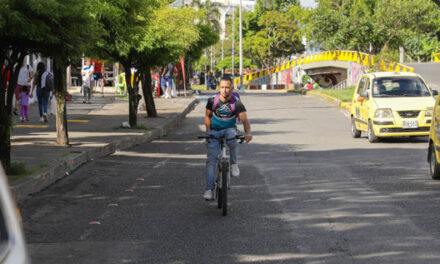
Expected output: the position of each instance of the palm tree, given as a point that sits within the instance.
(211, 10)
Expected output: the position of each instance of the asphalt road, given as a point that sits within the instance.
(308, 193)
(429, 71)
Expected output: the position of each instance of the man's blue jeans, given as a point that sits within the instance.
(214, 149)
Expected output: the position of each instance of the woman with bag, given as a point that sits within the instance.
(42, 94)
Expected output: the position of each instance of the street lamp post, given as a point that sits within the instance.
(241, 47)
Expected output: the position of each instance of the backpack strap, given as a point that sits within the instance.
(216, 100)
(234, 98)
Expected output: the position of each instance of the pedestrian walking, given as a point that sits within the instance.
(98, 74)
(208, 77)
(24, 79)
(87, 79)
(167, 75)
(42, 95)
(24, 103)
(212, 81)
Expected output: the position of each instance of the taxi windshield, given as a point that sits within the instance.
(399, 87)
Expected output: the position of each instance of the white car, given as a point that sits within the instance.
(12, 244)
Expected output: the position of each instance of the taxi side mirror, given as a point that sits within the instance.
(360, 99)
(434, 92)
(363, 95)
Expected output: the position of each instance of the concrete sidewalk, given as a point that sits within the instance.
(94, 131)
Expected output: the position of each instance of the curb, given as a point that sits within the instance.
(24, 188)
(343, 105)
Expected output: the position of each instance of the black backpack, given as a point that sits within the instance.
(49, 82)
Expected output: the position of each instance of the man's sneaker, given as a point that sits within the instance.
(207, 195)
(41, 119)
(45, 117)
(235, 171)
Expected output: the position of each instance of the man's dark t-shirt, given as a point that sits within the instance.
(223, 117)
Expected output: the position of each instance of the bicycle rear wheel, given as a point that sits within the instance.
(224, 191)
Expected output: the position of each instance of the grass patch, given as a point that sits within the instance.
(138, 127)
(345, 95)
(122, 98)
(198, 87)
(16, 170)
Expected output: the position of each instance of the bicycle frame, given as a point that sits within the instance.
(223, 177)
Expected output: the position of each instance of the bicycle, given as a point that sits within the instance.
(223, 177)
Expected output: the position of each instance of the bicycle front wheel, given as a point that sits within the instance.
(218, 189)
(224, 194)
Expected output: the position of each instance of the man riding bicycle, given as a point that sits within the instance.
(221, 115)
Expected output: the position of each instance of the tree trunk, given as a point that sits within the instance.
(132, 96)
(59, 79)
(148, 93)
(188, 72)
(5, 137)
(15, 58)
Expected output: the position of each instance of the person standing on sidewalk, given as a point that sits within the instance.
(42, 95)
(24, 103)
(98, 74)
(87, 79)
(24, 79)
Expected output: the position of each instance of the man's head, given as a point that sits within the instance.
(225, 87)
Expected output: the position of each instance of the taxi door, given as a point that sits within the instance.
(358, 103)
(366, 103)
(436, 123)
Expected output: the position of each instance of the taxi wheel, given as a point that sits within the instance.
(371, 136)
(434, 167)
(354, 132)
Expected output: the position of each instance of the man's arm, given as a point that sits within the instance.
(208, 118)
(246, 126)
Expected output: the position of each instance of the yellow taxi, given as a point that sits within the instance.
(391, 104)
(434, 143)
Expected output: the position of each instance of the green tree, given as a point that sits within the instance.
(126, 24)
(170, 40)
(379, 24)
(72, 30)
(278, 37)
(227, 64)
(211, 12)
(38, 27)
(279, 5)
(396, 20)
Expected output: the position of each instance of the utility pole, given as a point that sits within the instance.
(241, 47)
(233, 41)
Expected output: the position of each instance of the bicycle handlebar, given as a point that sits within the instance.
(240, 137)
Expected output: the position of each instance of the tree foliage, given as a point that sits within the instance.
(58, 29)
(227, 64)
(379, 24)
(170, 40)
(271, 34)
(126, 24)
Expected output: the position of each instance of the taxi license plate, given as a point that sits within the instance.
(410, 124)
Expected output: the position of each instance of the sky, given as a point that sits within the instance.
(308, 3)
